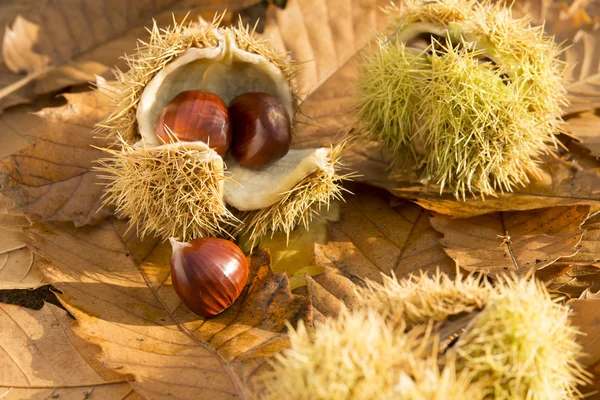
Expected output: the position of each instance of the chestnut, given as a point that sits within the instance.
(208, 274)
(262, 130)
(196, 116)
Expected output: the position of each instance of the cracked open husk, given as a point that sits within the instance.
(186, 190)
(462, 95)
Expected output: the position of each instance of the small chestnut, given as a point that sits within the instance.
(262, 130)
(208, 274)
(196, 116)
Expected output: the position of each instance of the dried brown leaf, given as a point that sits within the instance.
(379, 234)
(119, 290)
(564, 183)
(51, 180)
(72, 41)
(41, 358)
(19, 268)
(584, 126)
(586, 317)
(574, 276)
(323, 35)
(505, 241)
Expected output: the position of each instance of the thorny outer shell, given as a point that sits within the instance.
(177, 212)
(473, 117)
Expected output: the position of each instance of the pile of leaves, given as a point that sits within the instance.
(118, 330)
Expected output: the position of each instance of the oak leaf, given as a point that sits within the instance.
(119, 289)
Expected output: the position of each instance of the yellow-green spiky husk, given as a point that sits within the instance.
(167, 191)
(467, 124)
(518, 345)
(523, 345)
(299, 205)
(165, 45)
(358, 356)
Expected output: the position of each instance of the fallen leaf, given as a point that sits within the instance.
(41, 357)
(14, 124)
(323, 35)
(573, 276)
(570, 280)
(377, 233)
(583, 55)
(576, 28)
(119, 290)
(18, 45)
(584, 126)
(564, 183)
(69, 42)
(52, 180)
(586, 317)
(19, 267)
(330, 291)
(500, 242)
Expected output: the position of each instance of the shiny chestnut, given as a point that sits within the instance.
(208, 274)
(262, 130)
(196, 116)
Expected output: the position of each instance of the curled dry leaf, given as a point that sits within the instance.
(52, 180)
(378, 234)
(119, 290)
(42, 357)
(19, 268)
(509, 241)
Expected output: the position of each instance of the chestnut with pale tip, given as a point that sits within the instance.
(196, 116)
(208, 274)
(262, 130)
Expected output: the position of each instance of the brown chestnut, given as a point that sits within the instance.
(196, 116)
(208, 274)
(262, 130)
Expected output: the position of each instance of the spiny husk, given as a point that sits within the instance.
(420, 299)
(518, 345)
(165, 45)
(171, 191)
(468, 125)
(359, 356)
(299, 205)
(161, 198)
(523, 344)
